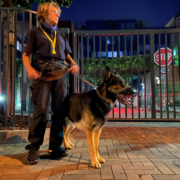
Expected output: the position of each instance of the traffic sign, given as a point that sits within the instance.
(163, 57)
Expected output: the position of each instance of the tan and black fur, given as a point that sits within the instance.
(89, 111)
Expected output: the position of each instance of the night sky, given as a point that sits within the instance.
(156, 13)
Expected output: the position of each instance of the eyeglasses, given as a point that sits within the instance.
(56, 12)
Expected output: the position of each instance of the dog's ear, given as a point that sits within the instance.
(116, 73)
(107, 73)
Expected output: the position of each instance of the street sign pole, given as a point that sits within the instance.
(163, 66)
(165, 99)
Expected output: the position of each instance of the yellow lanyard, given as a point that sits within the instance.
(53, 42)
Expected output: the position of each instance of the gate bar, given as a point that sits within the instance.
(15, 59)
(166, 76)
(125, 69)
(82, 63)
(132, 71)
(7, 53)
(144, 42)
(160, 75)
(22, 79)
(138, 75)
(119, 69)
(100, 58)
(152, 96)
(174, 108)
(88, 59)
(29, 108)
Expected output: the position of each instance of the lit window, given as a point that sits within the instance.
(108, 42)
(17, 45)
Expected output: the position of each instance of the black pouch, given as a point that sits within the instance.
(50, 70)
(48, 66)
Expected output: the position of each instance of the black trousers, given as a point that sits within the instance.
(41, 92)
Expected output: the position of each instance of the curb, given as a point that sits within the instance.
(18, 136)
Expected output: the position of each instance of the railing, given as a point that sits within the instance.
(131, 53)
(15, 96)
(93, 50)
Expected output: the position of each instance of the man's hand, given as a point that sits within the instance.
(74, 69)
(33, 74)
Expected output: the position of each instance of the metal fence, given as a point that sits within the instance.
(131, 53)
(128, 52)
(16, 108)
(14, 92)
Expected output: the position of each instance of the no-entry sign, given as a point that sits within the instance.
(163, 57)
(163, 70)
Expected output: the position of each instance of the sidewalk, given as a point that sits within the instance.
(135, 151)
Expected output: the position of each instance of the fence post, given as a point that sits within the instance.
(67, 77)
(72, 77)
(152, 96)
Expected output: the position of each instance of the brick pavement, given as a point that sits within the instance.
(133, 151)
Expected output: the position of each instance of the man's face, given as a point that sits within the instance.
(53, 15)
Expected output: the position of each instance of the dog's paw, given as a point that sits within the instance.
(101, 160)
(71, 144)
(67, 146)
(96, 164)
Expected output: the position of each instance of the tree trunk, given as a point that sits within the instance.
(10, 79)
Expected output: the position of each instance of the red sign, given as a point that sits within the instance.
(163, 57)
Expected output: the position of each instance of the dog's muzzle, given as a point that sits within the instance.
(126, 96)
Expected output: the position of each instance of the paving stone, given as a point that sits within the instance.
(83, 166)
(91, 171)
(139, 167)
(129, 152)
(147, 177)
(56, 175)
(9, 169)
(145, 160)
(31, 169)
(166, 177)
(133, 177)
(121, 154)
(117, 162)
(118, 172)
(44, 175)
(173, 167)
(164, 151)
(106, 172)
(163, 168)
(112, 154)
(139, 171)
(80, 177)
(19, 176)
(61, 167)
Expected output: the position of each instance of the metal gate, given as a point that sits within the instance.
(16, 108)
(131, 54)
(128, 52)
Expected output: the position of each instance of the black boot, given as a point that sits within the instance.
(57, 151)
(33, 155)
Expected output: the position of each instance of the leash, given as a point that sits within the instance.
(87, 82)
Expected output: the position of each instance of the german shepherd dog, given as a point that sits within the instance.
(89, 111)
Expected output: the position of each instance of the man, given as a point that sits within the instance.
(47, 45)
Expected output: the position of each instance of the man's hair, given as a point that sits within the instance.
(42, 10)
